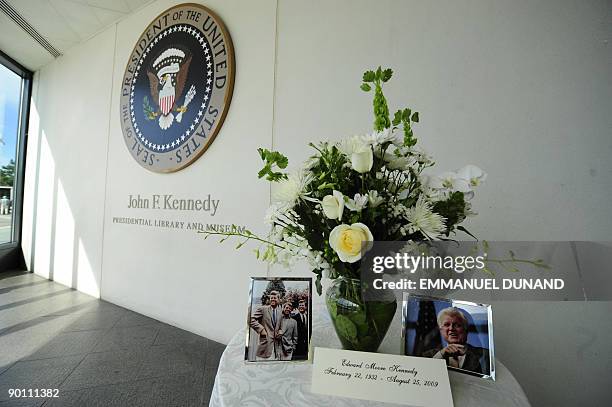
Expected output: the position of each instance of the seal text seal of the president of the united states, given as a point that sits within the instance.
(177, 88)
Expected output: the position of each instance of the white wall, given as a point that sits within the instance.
(86, 174)
(519, 88)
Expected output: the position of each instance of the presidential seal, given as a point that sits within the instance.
(177, 88)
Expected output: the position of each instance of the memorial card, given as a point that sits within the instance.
(381, 377)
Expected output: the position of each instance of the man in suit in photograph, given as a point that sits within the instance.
(301, 350)
(266, 321)
(458, 353)
(288, 333)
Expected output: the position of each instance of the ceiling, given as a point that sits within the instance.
(62, 23)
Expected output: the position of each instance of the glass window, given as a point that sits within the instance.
(11, 88)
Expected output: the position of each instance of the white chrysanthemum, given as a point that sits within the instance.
(310, 163)
(380, 137)
(421, 219)
(289, 190)
(272, 214)
(421, 156)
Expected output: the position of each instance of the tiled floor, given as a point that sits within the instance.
(94, 352)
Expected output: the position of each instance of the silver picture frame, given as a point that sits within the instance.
(418, 336)
(281, 332)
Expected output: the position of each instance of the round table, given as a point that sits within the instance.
(288, 383)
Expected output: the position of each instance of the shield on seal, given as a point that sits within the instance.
(166, 99)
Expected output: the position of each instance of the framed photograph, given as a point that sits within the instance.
(279, 324)
(459, 332)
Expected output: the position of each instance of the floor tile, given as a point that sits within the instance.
(96, 320)
(215, 350)
(65, 344)
(37, 374)
(209, 381)
(126, 337)
(169, 391)
(23, 402)
(134, 319)
(171, 335)
(168, 360)
(104, 368)
(95, 352)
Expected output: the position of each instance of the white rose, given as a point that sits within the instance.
(347, 241)
(362, 160)
(350, 145)
(333, 205)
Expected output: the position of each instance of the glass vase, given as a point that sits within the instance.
(360, 325)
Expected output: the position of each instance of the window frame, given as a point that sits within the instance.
(11, 254)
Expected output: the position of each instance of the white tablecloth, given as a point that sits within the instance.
(239, 384)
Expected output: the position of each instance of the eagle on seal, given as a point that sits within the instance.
(166, 82)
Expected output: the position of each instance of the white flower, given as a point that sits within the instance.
(358, 203)
(467, 211)
(351, 145)
(317, 261)
(421, 219)
(272, 214)
(380, 137)
(398, 163)
(421, 156)
(472, 174)
(288, 191)
(362, 160)
(449, 181)
(311, 163)
(374, 199)
(347, 241)
(333, 205)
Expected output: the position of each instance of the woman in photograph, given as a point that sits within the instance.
(288, 333)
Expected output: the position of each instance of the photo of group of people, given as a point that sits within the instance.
(458, 332)
(279, 324)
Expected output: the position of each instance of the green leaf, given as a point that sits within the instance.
(331, 306)
(359, 318)
(415, 117)
(365, 87)
(397, 119)
(271, 159)
(318, 284)
(464, 230)
(406, 114)
(345, 327)
(386, 74)
(368, 76)
(378, 73)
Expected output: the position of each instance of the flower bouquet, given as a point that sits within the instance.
(365, 188)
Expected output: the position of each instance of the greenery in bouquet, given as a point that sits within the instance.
(365, 188)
